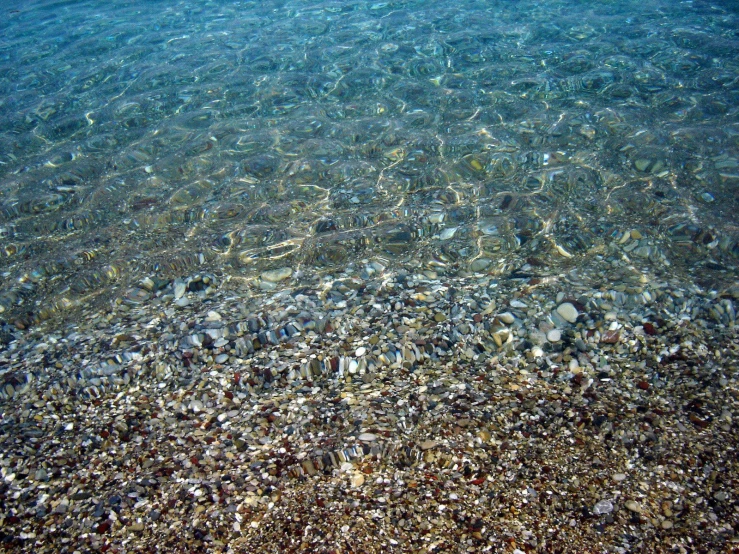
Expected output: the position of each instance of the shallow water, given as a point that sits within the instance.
(159, 139)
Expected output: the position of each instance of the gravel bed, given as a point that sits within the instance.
(376, 411)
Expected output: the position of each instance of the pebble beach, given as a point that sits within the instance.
(352, 278)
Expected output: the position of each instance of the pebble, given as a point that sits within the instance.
(634, 506)
(507, 318)
(367, 437)
(568, 312)
(213, 316)
(361, 351)
(603, 507)
(276, 275)
(179, 289)
(480, 264)
(439, 317)
(618, 477)
(555, 335)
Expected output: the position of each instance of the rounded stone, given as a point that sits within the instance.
(361, 351)
(568, 312)
(633, 506)
(276, 275)
(479, 264)
(367, 437)
(603, 507)
(507, 318)
(555, 335)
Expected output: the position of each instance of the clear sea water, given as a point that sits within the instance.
(142, 139)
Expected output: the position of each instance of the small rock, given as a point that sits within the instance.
(357, 480)
(367, 437)
(506, 317)
(276, 275)
(179, 289)
(439, 317)
(213, 316)
(603, 507)
(650, 329)
(555, 335)
(633, 506)
(618, 477)
(479, 264)
(568, 312)
(361, 351)
(428, 444)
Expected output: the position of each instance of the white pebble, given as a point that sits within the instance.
(555, 335)
(507, 317)
(361, 351)
(568, 312)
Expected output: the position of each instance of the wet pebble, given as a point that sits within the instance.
(568, 312)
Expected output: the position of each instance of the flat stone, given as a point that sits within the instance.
(618, 477)
(367, 437)
(439, 317)
(555, 335)
(428, 444)
(568, 312)
(276, 275)
(479, 264)
(213, 316)
(357, 480)
(634, 506)
(361, 351)
(179, 289)
(506, 317)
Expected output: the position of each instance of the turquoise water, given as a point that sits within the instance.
(142, 139)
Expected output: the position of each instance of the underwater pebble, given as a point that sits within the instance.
(568, 312)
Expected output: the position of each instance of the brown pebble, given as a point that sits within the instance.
(649, 329)
(643, 385)
(610, 337)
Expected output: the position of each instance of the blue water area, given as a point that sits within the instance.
(144, 139)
